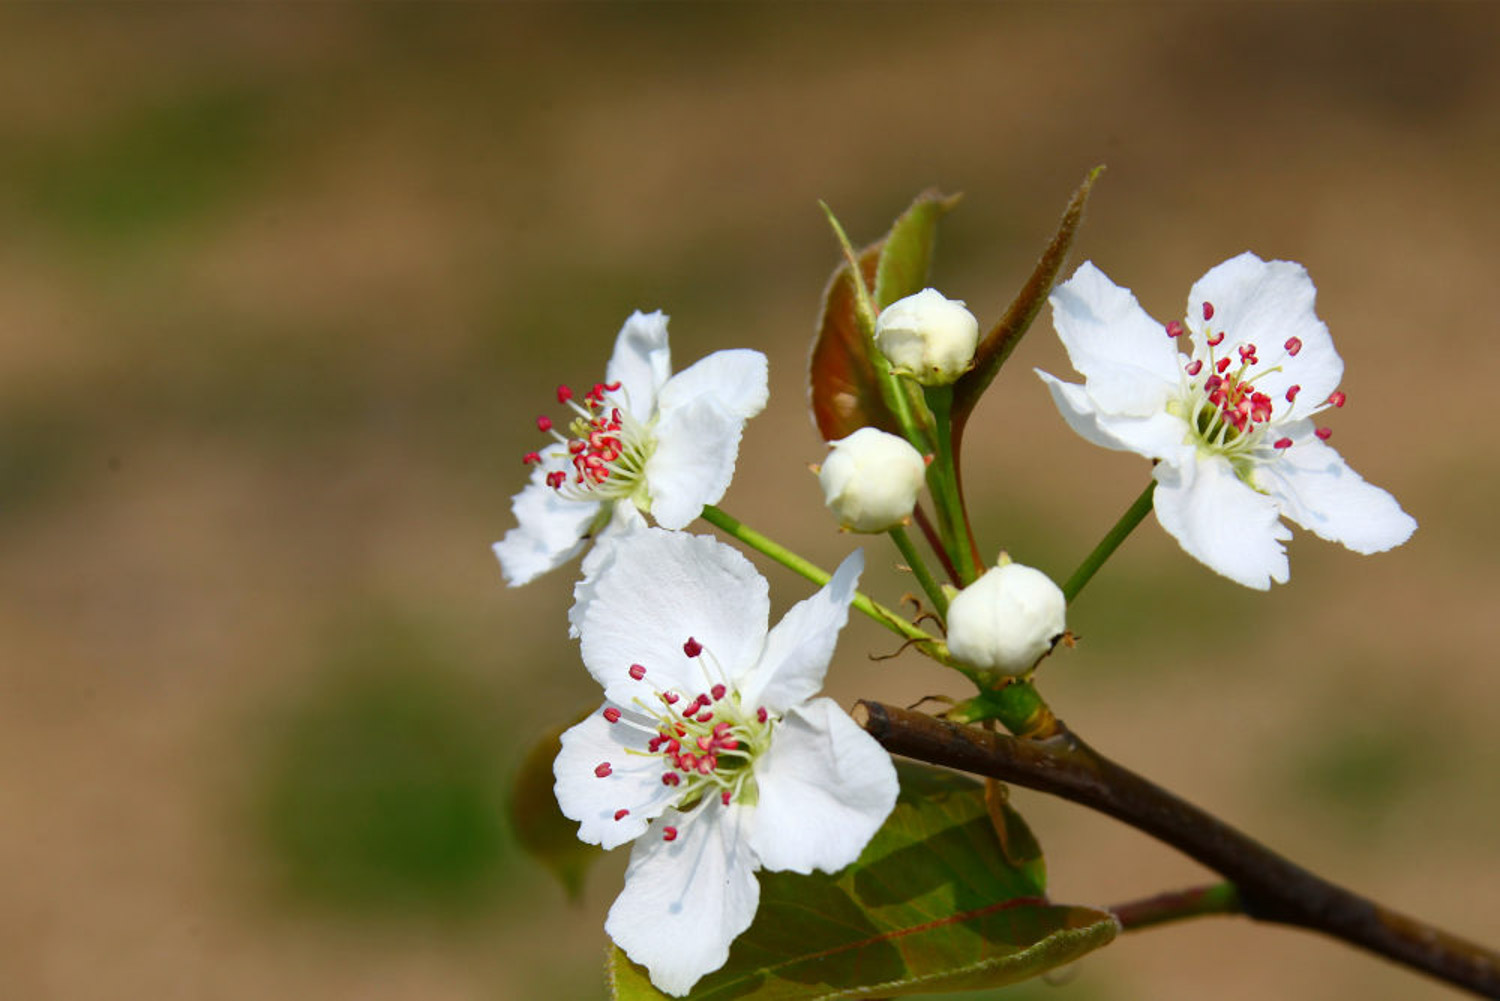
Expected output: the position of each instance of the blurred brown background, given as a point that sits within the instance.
(283, 287)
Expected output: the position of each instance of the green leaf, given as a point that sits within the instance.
(544, 833)
(845, 385)
(932, 905)
(906, 251)
(1003, 337)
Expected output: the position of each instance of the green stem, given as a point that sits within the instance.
(919, 569)
(1178, 905)
(928, 644)
(943, 485)
(1109, 543)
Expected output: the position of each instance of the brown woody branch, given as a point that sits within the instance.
(1270, 887)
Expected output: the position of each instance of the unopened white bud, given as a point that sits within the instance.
(928, 337)
(870, 480)
(1006, 620)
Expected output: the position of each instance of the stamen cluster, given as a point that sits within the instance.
(706, 744)
(605, 447)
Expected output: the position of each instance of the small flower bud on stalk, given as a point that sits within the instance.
(1007, 620)
(928, 337)
(870, 480)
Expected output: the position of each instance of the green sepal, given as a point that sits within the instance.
(934, 904)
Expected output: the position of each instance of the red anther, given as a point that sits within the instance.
(603, 769)
(1212, 383)
(1214, 340)
(669, 834)
(637, 672)
(612, 387)
(531, 459)
(673, 746)
(1291, 393)
(707, 763)
(1195, 366)
(544, 423)
(670, 698)
(556, 478)
(724, 797)
(1247, 354)
(1222, 364)
(721, 730)
(1283, 443)
(669, 778)
(705, 743)
(1208, 312)
(612, 714)
(1323, 433)
(729, 744)
(687, 762)
(1175, 329)
(704, 717)
(564, 394)
(717, 692)
(654, 744)
(692, 647)
(1293, 345)
(621, 814)
(576, 447)
(761, 715)
(1337, 398)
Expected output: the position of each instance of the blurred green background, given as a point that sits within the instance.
(282, 289)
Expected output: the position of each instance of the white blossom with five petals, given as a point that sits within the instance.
(664, 443)
(711, 752)
(1231, 425)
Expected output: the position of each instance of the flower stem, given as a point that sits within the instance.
(919, 569)
(1178, 905)
(890, 619)
(942, 483)
(1109, 543)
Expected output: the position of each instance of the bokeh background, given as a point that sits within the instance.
(282, 289)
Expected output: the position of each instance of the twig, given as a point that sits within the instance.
(1270, 887)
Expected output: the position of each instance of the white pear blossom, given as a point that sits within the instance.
(664, 443)
(711, 752)
(1230, 425)
(928, 337)
(1007, 620)
(871, 479)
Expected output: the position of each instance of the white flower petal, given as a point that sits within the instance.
(686, 900)
(641, 362)
(633, 784)
(702, 416)
(825, 788)
(1129, 362)
(797, 651)
(696, 447)
(624, 521)
(550, 530)
(735, 380)
(1155, 436)
(1222, 522)
(659, 589)
(1265, 303)
(1318, 490)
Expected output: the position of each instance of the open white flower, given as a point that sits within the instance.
(1231, 425)
(665, 443)
(711, 751)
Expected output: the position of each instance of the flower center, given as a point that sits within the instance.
(1225, 412)
(707, 743)
(605, 448)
